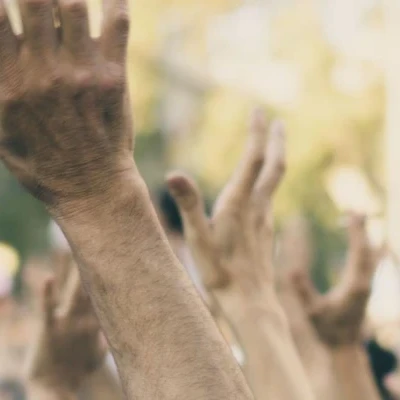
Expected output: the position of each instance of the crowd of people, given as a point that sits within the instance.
(153, 297)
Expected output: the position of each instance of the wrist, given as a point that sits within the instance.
(121, 188)
(253, 311)
(347, 355)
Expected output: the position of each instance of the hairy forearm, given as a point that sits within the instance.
(163, 339)
(353, 373)
(101, 385)
(273, 367)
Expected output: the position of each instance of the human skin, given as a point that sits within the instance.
(296, 253)
(68, 346)
(338, 316)
(233, 249)
(66, 135)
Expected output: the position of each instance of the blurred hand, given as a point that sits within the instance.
(64, 112)
(338, 316)
(233, 248)
(69, 346)
(296, 253)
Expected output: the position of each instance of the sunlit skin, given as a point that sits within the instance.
(296, 253)
(66, 136)
(339, 315)
(233, 249)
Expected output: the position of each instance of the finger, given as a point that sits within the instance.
(8, 43)
(196, 226)
(187, 195)
(75, 28)
(304, 288)
(240, 186)
(115, 30)
(69, 293)
(78, 300)
(360, 257)
(102, 347)
(361, 262)
(49, 301)
(62, 262)
(38, 26)
(274, 165)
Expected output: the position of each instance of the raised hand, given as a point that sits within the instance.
(338, 316)
(295, 254)
(233, 250)
(69, 346)
(233, 247)
(66, 135)
(64, 109)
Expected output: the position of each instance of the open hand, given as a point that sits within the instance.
(69, 346)
(338, 316)
(233, 248)
(65, 119)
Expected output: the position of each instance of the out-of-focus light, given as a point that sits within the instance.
(9, 259)
(238, 354)
(57, 238)
(9, 264)
(350, 191)
(351, 78)
(376, 231)
(238, 46)
(384, 302)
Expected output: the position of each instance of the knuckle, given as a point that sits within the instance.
(50, 83)
(84, 80)
(113, 85)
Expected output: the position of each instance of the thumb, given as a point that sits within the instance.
(187, 195)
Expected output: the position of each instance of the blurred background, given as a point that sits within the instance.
(328, 68)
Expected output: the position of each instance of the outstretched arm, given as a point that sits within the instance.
(66, 135)
(295, 253)
(339, 315)
(233, 250)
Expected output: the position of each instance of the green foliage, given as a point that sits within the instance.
(327, 126)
